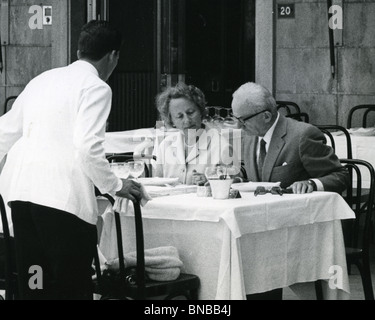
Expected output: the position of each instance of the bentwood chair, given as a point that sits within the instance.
(328, 129)
(288, 106)
(358, 232)
(8, 282)
(292, 110)
(7, 101)
(367, 108)
(134, 284)
(300, 116)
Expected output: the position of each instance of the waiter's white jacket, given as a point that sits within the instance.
(53, 137)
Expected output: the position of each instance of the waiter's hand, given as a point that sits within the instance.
(130, 189)
(300, 187)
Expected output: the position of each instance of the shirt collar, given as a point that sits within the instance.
(268, 136)
(82, 64)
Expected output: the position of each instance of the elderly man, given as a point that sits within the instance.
(277, 148)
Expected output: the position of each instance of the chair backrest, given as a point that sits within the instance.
(7, 101)
(367, 107)
(357, 232)
(327, 129)
(129, 156)
(8, 251)
(288, 106)
(299, 116)
(140, 269)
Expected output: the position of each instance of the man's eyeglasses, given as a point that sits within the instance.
(274, 190)
(242, 120)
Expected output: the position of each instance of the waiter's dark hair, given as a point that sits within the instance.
(97, 38)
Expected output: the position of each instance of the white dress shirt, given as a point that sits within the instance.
(53, 137)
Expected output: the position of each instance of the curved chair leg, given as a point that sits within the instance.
(319, 290)
(366, 281)
(194, 294)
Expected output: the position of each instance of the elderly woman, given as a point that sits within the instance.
(187, 148)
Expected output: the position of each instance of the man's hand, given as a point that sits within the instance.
(130, 189)
(198, 178)
(300, 187)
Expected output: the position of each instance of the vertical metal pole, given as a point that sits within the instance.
(331, 41)
(4, 40)
(158, 44)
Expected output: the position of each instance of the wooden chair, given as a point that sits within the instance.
(124, 287)
(292, 111)
(288, 106)
(367, 109)
(327, 129)
(7, 100)
(300, 116)
(9, 282)
(357, 233)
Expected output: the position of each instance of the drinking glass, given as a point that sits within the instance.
(217, 172)
(136, 168)
(120, 169)
(217, 117)
(229, 121)
(207, 118)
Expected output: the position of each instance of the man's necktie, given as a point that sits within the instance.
(262, 156)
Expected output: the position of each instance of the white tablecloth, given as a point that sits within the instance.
(128, 141)
(363, 148)
(245, 246)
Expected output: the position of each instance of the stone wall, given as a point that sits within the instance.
(302, 60)
(29, 52)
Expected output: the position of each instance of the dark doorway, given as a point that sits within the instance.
(208, 43)
(220, 47)
(133, 82)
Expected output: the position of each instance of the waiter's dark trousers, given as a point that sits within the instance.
(57, 246)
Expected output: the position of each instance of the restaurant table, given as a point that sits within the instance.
(244, 246)
(363, 142)
(129, 141)
(143, 140)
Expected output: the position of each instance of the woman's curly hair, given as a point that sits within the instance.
(181, 90)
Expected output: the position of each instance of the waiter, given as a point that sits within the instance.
(53, 137)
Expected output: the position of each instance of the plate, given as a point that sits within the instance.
(251, 186)
(156, 181)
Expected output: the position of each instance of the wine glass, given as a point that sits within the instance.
(230, 121)
(136, 168)
(120, 169)
(217, 172)
(207, 117)
(217, 117)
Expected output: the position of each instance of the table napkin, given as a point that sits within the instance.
(121, 204)
(161, 263)
(251, 186)
(359, 131)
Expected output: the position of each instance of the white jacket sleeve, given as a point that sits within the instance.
(11, 127)
(89, 136)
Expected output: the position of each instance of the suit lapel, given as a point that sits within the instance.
(275, 147)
